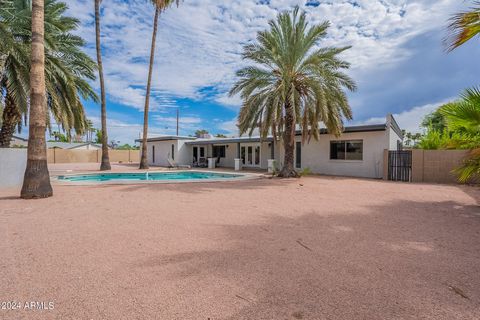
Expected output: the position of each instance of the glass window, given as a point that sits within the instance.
(346, 150)
(298, 155)
(354, 150)
(257, 155)
(173, 152)
(337, 150)
(202, 152)
(219, 151)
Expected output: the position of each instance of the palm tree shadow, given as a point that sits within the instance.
(339, 266)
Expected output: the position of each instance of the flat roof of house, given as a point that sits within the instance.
(246, 139)
(167, 138)
(230, 140)
(365, 128)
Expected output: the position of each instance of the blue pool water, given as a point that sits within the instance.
(151, 176)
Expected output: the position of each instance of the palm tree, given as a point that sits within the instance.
(105, 165)
(464, 26)
(66, 66)
(292, 82)
(36, 182)
(160, 5)
(14, 74)
(463, 118)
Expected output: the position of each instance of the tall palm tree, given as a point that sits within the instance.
(160, 6)
(292, 82)
(36, 182)
(66, 66)
(105, 165)
(464, 26)
(463, 118)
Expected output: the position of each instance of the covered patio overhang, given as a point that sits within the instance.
(253, 152)
(238, 141)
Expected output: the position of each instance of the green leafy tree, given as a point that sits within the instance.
(60, 137)
(435, 121)
(127, 147)
(293, 81)
(200, 133)
(99, 137)
(160, 6)
(464, 26)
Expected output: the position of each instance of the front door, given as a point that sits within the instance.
(250, 155)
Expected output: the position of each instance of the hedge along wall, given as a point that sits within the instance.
(91, 156)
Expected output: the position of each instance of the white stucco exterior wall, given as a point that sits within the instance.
(163, 150)
(316, 155)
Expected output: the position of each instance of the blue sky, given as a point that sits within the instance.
(397, 58)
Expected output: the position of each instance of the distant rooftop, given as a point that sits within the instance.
(70, 145)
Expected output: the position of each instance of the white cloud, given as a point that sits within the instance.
(411, 119)
(127, 132)
(199, 44)
(230, 127)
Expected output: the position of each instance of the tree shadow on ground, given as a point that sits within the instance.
(406, 260)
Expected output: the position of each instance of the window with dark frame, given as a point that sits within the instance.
(173, 152)
(219, 151)
(298, 155)
(346, 150)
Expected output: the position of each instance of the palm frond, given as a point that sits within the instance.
(463, 27)
(290, 71)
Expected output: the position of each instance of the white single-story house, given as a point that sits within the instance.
(357, 152)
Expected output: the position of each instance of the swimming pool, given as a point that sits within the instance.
(149, 176)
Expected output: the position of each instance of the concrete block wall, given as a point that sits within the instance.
(436, 165)
(433, 166)
(91, 156)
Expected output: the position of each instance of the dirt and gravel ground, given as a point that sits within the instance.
(314, 248)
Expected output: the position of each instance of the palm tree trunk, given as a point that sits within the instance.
(144, 159)
(11, 118)
(288, 170)
(105, 165)
(36, 182)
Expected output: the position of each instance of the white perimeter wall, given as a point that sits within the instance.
(12, 166)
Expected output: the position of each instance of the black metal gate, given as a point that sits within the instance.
(400, 165)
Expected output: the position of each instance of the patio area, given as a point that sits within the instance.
(312, 248)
